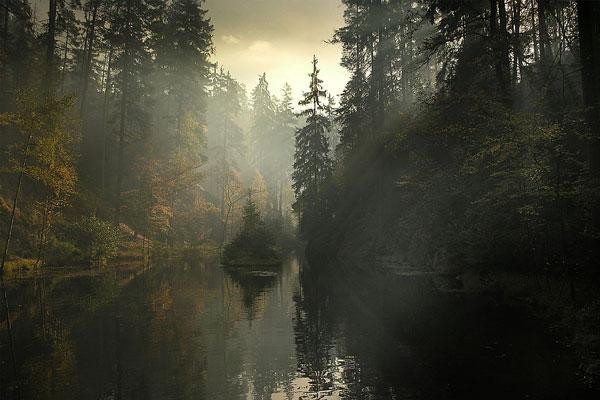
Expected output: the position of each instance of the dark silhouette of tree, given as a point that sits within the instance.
(312, 165)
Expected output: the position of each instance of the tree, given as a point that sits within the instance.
(255, 244)
(225, 136)
(287, 122)
(233, 194)
(334, 135)
(93, 21)
(263, 109)
(260, 191)
(128, 39)
(264, 135)
(183, 45)
(46, 155)
(313, 165)
(588, 13)
(380, 53)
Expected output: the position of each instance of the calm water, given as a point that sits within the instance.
(198, 331)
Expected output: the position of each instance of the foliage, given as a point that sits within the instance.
(255, 244)
(312, 165)
(480, 154)
(63, 253)
(49, 142)
(99, 239)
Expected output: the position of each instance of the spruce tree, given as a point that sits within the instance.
(225, 137)
(313, 165)
(127, 36)
(263, 126)
(183, 47)
(287, 122)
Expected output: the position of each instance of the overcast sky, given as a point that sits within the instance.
(278, 37)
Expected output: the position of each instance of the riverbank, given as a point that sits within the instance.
(565, 312)
(475, 225)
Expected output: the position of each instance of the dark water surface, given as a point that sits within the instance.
(198, 331)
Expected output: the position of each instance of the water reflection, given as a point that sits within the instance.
(198, 331)
(253, 282)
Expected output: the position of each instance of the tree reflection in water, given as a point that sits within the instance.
(194, 331)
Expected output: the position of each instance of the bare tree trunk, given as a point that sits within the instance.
(105, 136)
(64, 64)
(15, 202)
(122, 121)
(120, 160)
(43, 231)
(504, 43)
(89, 55)
(51, 45)
(5, 252)
(536, 53)
(545, 47)
(499, 46)
(5, 27)
(517, 72)
(588, 15)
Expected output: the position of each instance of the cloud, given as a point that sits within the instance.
(256, 36)
(260, 46)
(230, 39)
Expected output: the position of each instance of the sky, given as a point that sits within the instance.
(278, 37)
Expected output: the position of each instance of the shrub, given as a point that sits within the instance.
(99, 239)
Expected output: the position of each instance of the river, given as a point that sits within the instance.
(199, 331)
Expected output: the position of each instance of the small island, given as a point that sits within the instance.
(255, 244)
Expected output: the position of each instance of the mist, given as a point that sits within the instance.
(284, 199)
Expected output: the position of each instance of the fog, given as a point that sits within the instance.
(287, 199)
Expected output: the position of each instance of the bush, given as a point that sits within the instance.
(61, 253)
(99, 239)
(255, 244)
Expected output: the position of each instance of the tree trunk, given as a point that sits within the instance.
(64, 64)
(51, 44)
(496, 47)
(545, 46)
(89, 55)
(15, 202)
(105, 136)
(120, 159)
(5, 252)
(588, 13)
(43, 233)
(504, 46)
(123, 119)
(536, 52)
(5, 27)
(517, 72)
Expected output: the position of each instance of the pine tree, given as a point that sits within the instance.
(225, 137)
(183, 46)
(127, 36)
(313, 165)
(263, 126)
(334, 135)
(255, 243)
(287, 122)
(379, 52)
(18, 45)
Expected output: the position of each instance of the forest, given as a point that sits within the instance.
(465, 145)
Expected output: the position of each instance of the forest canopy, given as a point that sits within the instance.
(446, 202)
(466, 134)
